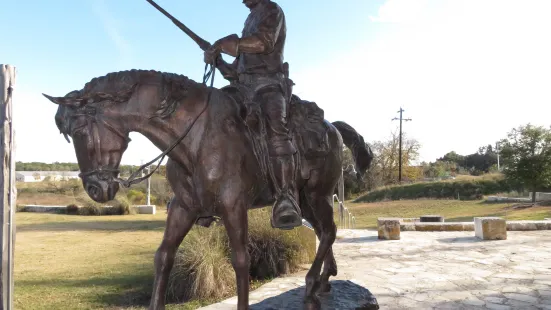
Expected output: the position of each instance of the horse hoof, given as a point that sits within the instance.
(312, 304)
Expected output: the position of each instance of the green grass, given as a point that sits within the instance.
(73, 262)
(366, 214)
(106, 262)
(464, 189)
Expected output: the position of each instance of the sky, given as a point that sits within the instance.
(465, 71)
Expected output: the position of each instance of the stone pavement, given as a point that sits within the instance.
(426, 270)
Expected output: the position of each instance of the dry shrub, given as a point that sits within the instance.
(72, 209)
(118, 206)
(273, 252)
(203, 270)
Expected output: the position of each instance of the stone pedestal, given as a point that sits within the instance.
(146, 209)
(389, 228)
(431, 219)
(490, 228)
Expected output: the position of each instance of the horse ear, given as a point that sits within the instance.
(66, 101)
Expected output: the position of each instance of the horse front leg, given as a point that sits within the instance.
(236, 224)
(179, 222)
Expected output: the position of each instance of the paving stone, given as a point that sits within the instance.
(426, 270)
(495, 300)
(520, 304)
(472, 301)
(545, 301)
(497, 306)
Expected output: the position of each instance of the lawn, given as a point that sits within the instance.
(76, 262)
(106, 262)
(366, 214)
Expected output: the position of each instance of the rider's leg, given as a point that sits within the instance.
(286, 212)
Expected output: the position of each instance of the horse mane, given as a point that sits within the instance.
(119, 86)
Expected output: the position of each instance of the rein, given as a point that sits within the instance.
(133, 179)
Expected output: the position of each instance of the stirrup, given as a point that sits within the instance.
(288, 216)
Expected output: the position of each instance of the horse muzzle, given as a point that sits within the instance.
(101, 191)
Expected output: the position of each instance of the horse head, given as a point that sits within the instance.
(99, 139)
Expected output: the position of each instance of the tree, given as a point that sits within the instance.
(387, 155)
(477, 163)
(526, 156)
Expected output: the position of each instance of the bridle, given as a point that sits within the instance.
(91, 115)
(107, 173)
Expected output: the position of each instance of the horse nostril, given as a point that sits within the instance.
(93, 191)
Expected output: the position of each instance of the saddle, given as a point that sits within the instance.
(307, 127)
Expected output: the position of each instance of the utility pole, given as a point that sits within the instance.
(148, 193)
(497, 152)
(148, 187)
(400, 147)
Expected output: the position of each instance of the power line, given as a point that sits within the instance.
(400, 147)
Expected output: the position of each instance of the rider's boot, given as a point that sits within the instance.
(286, 211)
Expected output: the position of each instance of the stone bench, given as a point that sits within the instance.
(441, 226)
(146, 209)
(490, 228)
(388, 228)
(528, 225)
(42, 209)
(431, 219)
(409, 220)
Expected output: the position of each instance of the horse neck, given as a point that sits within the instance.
(141, 114)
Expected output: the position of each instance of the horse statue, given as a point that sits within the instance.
(214, 167)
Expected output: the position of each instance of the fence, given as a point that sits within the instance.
(346, 219)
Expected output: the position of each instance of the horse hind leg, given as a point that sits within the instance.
(321, 216)
(329, 270)
(329, 263)
(179, 222)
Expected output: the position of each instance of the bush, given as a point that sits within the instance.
(72, 209)
(90, 208)
(136, 196)
(119, 206)
(463, 190)
(203, 269)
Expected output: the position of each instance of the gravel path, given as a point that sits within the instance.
(425, 270)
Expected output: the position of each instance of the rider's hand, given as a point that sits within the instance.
(211, 54)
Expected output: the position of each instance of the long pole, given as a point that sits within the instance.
(148, 187)
(340, 192)
(400, 144)
(7, 179)
(497, 152)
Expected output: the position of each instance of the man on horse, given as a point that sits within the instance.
(259, 68)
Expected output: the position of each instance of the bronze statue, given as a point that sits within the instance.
(218, 155)
(259, 71)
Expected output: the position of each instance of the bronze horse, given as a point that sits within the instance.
(214, 171)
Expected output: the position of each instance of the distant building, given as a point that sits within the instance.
(38, 176)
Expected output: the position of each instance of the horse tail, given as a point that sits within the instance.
(362, 153)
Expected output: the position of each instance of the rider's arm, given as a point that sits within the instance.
(263, 41)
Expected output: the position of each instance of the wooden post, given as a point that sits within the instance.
(340, 192)
(7, 188)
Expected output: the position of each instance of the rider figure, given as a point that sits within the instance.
(259, 66)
